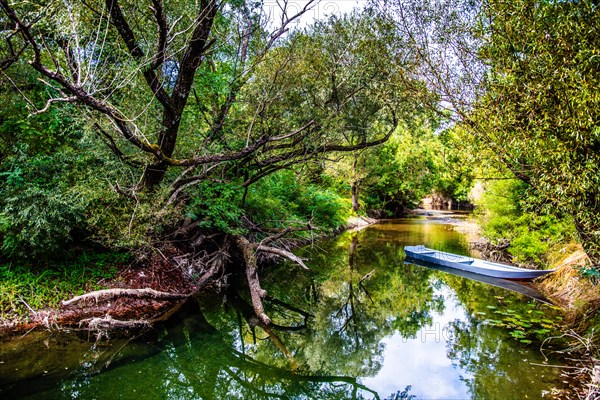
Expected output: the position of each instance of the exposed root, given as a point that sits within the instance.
(249, 252)
(493, 252)
(283, 253)
(113, 293)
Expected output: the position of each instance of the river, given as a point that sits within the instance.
(361, 324)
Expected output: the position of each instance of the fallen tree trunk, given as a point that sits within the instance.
(256, 292)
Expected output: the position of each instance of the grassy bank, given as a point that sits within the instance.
(25, 289)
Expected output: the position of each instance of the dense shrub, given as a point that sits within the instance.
(531, 235)
(284, 197)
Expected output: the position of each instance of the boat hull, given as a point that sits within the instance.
(473, 265)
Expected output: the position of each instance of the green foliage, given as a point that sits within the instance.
(540, 116)
(216, 205)
(456, 166)
(531, 235)
(524, 322)
(44, 286)
(49, 198)
(413, 163)
(591, 273)
(284, 197)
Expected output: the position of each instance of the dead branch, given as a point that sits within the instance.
(112, 293)
(284, 232)
(367, 276)
(256, 292)
(283, 253)
(119, 21)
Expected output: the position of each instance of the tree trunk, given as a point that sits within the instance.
(167, 140)
(256, 292)
(355, 196)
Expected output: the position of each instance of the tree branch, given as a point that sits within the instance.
(55, 100)
(112, 293)
(163, 30)
(284, 254)
(284, 232)
(192, 56)
(128, 37)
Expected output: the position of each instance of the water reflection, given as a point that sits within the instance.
(362, 324)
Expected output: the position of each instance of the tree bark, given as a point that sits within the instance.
(355, 196)
(256, 292)
(112, 293)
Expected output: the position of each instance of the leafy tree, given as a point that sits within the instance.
(503, 215)
(541, 109)
(520, 78)
(184, 108)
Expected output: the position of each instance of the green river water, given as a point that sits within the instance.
(360, 324)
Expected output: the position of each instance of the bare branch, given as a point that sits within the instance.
(112, 293)
(55, 100)
(161, 48)
(128, 37)
(284, 254)
(284, 232)
(294, 133)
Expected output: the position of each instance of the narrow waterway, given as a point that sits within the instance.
(361, 325)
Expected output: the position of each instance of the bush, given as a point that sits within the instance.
(502, 216)
(283, 198)
(216, 205)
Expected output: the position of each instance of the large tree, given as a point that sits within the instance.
(197, 95)
(541, 111)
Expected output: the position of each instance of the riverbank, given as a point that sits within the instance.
(360, 303)
(120, 295)
(134, 292)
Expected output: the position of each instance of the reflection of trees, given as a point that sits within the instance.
(359, 293)
(326, 333)
(496, 362)
(193, 360)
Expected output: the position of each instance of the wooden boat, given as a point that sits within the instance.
(473, 265)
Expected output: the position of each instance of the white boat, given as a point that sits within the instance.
(473, 265)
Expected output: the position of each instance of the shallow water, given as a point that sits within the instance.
(361, 324)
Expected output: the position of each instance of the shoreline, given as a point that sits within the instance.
(130, 304)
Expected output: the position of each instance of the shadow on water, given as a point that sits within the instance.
(361, 325)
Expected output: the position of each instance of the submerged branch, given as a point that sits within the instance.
(256, 292)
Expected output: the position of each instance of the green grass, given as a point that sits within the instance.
(46, 286)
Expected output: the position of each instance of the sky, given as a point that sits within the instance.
(321, 10)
